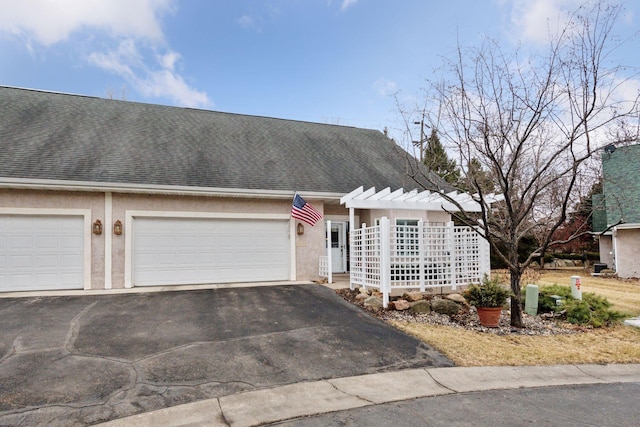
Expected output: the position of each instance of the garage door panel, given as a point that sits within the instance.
(48, 261)
(41, 252)
(189, 250)
(19, 242)
(20, 262)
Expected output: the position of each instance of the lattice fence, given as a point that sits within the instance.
(417, 257)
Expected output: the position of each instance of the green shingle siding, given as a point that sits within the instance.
(621, 174)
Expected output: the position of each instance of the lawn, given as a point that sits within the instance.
(617, 344)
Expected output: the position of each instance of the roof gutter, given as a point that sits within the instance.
(169, 190)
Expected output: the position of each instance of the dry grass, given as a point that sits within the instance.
(623, 294)
(619, 344)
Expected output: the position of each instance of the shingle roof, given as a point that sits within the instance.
(55, 136)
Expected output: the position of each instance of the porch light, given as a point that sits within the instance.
(117, 228)
(97, 227)
(300, 229)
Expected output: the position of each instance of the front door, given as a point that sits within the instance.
(338, 247)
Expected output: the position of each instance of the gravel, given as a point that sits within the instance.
(467, 318)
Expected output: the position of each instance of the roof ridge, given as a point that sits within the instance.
(149, 104)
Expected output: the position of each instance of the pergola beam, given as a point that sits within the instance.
(424, 200)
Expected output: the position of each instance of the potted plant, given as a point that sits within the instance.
(488, 297)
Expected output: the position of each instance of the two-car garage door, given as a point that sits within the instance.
(175, 251)
(50, 252)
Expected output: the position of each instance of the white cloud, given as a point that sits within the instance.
(119, 61)
(533, 20)
(159, 80)
(49, 22)
(347, 3)
(385, 87)
(344, 4)
(161, 83)
(127, 24)
(245, 21)
(169, 60)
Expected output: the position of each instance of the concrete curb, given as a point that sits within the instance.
(258, 407)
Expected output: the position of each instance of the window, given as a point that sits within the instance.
(407, 237)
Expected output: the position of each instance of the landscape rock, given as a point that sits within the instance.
(422, 306)
(401, 304)
(412, 296)
(362, 297)
(373, 303)
(364, 291)
(444, 306)
(456, 298)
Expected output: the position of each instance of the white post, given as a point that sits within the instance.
(329, 254)
(385, 260)
(352, 226)
(363, 257)
(452, 254)
(421, 253)
(484, 254)
(576, 292)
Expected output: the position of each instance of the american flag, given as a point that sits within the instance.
(304, 211)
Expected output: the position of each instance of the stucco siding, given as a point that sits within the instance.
(308, 247)
(606, 250)
(628, 253)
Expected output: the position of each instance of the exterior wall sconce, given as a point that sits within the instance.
(117, 228)
(97, 227)
(300, 229)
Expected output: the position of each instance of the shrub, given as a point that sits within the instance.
(488, 294)
(546, 304)
(593, 310)
(592, 256)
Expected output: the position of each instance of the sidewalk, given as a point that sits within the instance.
(318, 397)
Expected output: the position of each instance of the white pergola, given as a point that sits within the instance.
(414, 200)
(384, 257)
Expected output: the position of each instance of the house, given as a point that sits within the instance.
(616, 216)
(105, 194)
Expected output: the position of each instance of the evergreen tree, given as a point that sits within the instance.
(476, 179)
(437, 160)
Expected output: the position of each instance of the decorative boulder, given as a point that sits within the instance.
(362, 297)
(444, 306)
(456, 298)
(412, 296)
(401, 305)
(422, 306)
(373, 303)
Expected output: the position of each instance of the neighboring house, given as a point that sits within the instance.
(101, 194)
(617, 211)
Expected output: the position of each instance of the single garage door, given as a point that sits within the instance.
(176, 251)
(41, 252)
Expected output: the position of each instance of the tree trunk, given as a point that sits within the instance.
(516, 300)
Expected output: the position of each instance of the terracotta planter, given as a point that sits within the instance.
(489, 316)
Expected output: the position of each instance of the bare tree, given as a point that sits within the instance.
(120, 94)
(533, 124)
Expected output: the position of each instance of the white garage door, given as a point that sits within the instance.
(41, 252)
(175, 251)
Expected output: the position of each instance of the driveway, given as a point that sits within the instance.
(80, 360)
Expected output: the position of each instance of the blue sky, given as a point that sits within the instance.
(328, 61)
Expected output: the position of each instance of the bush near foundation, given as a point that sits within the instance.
(593, 310)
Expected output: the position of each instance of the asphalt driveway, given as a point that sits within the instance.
(80, 360)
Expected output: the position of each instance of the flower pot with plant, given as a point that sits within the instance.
(488, 297)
